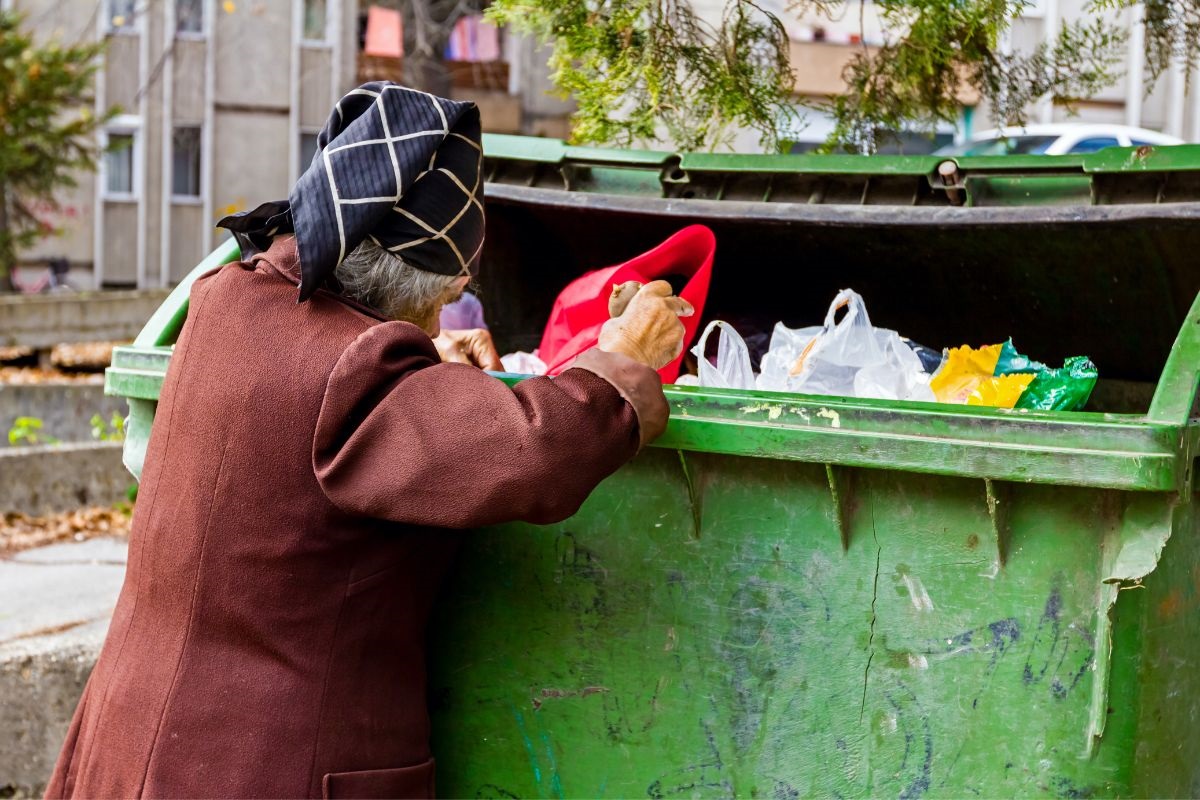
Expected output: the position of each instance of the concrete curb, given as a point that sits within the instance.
(40, 691)
(45, 479)
(50, 319)
(56, 603)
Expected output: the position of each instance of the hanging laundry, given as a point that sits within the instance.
(385, 33)
(473, 39)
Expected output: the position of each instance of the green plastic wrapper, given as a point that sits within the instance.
(1064, 389)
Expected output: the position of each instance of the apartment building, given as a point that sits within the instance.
(220, 100)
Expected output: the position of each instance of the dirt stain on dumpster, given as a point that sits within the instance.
(1171, 605)
(774, 411)
(704, 778)
(835, 419)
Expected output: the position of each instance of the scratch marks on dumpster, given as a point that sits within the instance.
(692, 780)
(995, 638)
(533, 759)
(918, 740)
(549, 693)
(1053, 644)
(1058, 655)
(1065, 787)
(917, 593)
(581, 563)
(768, 623)
(556, 788)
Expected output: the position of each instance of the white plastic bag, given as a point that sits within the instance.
(523, 363)
(786, 346)
(733, 370)
(848, 358)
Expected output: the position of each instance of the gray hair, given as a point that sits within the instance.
(383, 280)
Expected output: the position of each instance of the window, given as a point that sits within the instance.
(314, 20)
(308, 150)
(1094, 144)
(119, 164)
(185, 162)
(189, 16)
(121, 15)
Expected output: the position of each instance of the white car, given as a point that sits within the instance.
(1055, 140)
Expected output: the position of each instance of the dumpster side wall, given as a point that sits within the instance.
(714, 625)
(1165, 614)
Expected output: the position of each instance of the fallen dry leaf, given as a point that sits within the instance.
(22, 532)
(85, 355)
(31, 375)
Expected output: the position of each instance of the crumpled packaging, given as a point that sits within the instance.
(1064, 389)
(967, 377)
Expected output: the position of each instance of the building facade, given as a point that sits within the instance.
(220, 103)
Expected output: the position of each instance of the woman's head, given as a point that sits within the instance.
(398, 166)
(382, 280)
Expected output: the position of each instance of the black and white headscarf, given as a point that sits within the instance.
(395, 165)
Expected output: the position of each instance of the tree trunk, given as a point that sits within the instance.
(427, 28)
(8, 256)
(427, 75)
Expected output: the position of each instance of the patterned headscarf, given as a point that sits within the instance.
(395, 165)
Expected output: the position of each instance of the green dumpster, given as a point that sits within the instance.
(792, 596)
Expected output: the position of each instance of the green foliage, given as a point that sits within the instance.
(28, 431)
(1172, 33)
(650, 69)
(111, 431)
(126, 506)
(46, 128)
(940, 51)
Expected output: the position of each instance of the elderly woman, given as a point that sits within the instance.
(309, 464)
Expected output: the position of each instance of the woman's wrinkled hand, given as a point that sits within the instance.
(472, 347)
(645, 323)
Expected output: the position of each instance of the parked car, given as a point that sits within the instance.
(1055, 140)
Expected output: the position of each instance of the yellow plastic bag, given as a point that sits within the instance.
(967, 377)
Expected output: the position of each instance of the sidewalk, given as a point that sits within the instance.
(55, 606)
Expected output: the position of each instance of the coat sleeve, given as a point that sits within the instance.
(404, 437)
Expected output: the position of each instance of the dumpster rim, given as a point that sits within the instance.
(834, 215)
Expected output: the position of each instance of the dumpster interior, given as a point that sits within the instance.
(1115, 289)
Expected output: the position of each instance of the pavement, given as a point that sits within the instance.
(55, 606)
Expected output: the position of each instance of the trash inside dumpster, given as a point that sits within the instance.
(850, 358)
(803, 595)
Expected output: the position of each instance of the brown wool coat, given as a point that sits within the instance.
(306, 463)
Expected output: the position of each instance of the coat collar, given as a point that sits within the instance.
(283, 258)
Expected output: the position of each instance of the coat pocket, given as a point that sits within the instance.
(403, 782)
